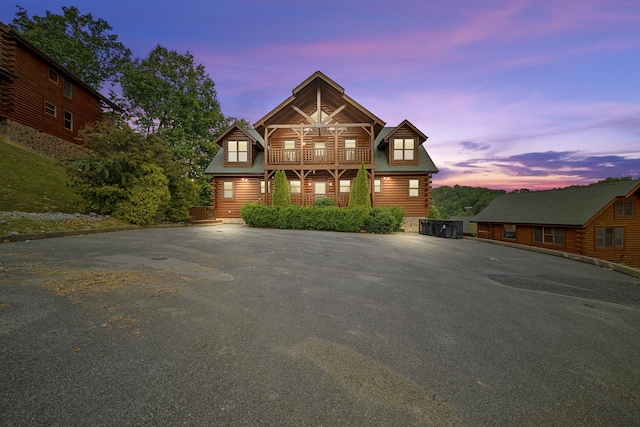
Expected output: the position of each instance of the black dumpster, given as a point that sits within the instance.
(441, 228)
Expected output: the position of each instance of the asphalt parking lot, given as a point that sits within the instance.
(230, 325)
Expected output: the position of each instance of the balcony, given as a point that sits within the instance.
(319, 156)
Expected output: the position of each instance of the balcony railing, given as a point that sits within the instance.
(319, 155)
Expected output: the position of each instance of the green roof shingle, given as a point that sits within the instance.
(573, 206)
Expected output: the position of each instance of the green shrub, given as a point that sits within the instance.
(324, 202)
(146, 196)
(398, 213)
(331, 218)
(380, 221)
(258, 215)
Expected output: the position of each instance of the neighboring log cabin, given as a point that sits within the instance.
(599, 221)
(42, 105)
(320, 137)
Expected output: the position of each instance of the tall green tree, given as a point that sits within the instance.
(359, 195)
(167, 93)
(82, 44)
(281, 192)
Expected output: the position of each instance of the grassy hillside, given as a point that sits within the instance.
(31, 183)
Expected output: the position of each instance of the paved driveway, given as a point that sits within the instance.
(229, 325)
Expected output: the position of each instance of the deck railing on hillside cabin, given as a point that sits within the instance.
(319, 155)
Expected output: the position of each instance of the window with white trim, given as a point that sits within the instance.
(377, 185)
(289, 146)
(609, 237)
(68, 120)
(403, 149)
(414, 188)
(50, 109)
(350, 149)
(227, 189)
(294, 187)
(237, 151)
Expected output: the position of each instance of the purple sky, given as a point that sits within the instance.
(512, 94)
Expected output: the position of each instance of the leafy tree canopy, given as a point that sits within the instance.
(83, 45)
(461, 200)
(167, 93)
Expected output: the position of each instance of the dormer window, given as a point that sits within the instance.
(403, 149)
(237, 151)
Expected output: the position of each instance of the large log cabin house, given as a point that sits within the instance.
(320, 137)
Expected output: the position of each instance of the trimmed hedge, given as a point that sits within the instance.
(324, 218)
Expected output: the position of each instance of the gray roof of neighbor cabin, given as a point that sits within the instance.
(573, 206)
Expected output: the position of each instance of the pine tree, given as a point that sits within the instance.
(281, 192)
(359, 196)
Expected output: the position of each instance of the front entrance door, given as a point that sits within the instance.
(320, 189)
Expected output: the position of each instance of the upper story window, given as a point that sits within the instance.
(68, 89)
(53, 75)
(50, 109)
(350, 149)
(403, 149)
(624, 208)
(68, 120)
(237, 151)
(289, 146)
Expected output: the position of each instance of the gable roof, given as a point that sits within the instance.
(383, 139)
(573, 206)
(250, 133)
(302, 90)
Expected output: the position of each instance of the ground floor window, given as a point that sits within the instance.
(345, 186)
(294, 187)
(414, 188)
(609, 237)
(227, 189)
(377, 185)
(549, 235)
(509, 231)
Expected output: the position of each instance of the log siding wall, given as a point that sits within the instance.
(23, 98)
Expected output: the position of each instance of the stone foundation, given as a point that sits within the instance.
(411, 224)
(38, 142)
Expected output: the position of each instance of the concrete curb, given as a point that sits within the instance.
(625, 269)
